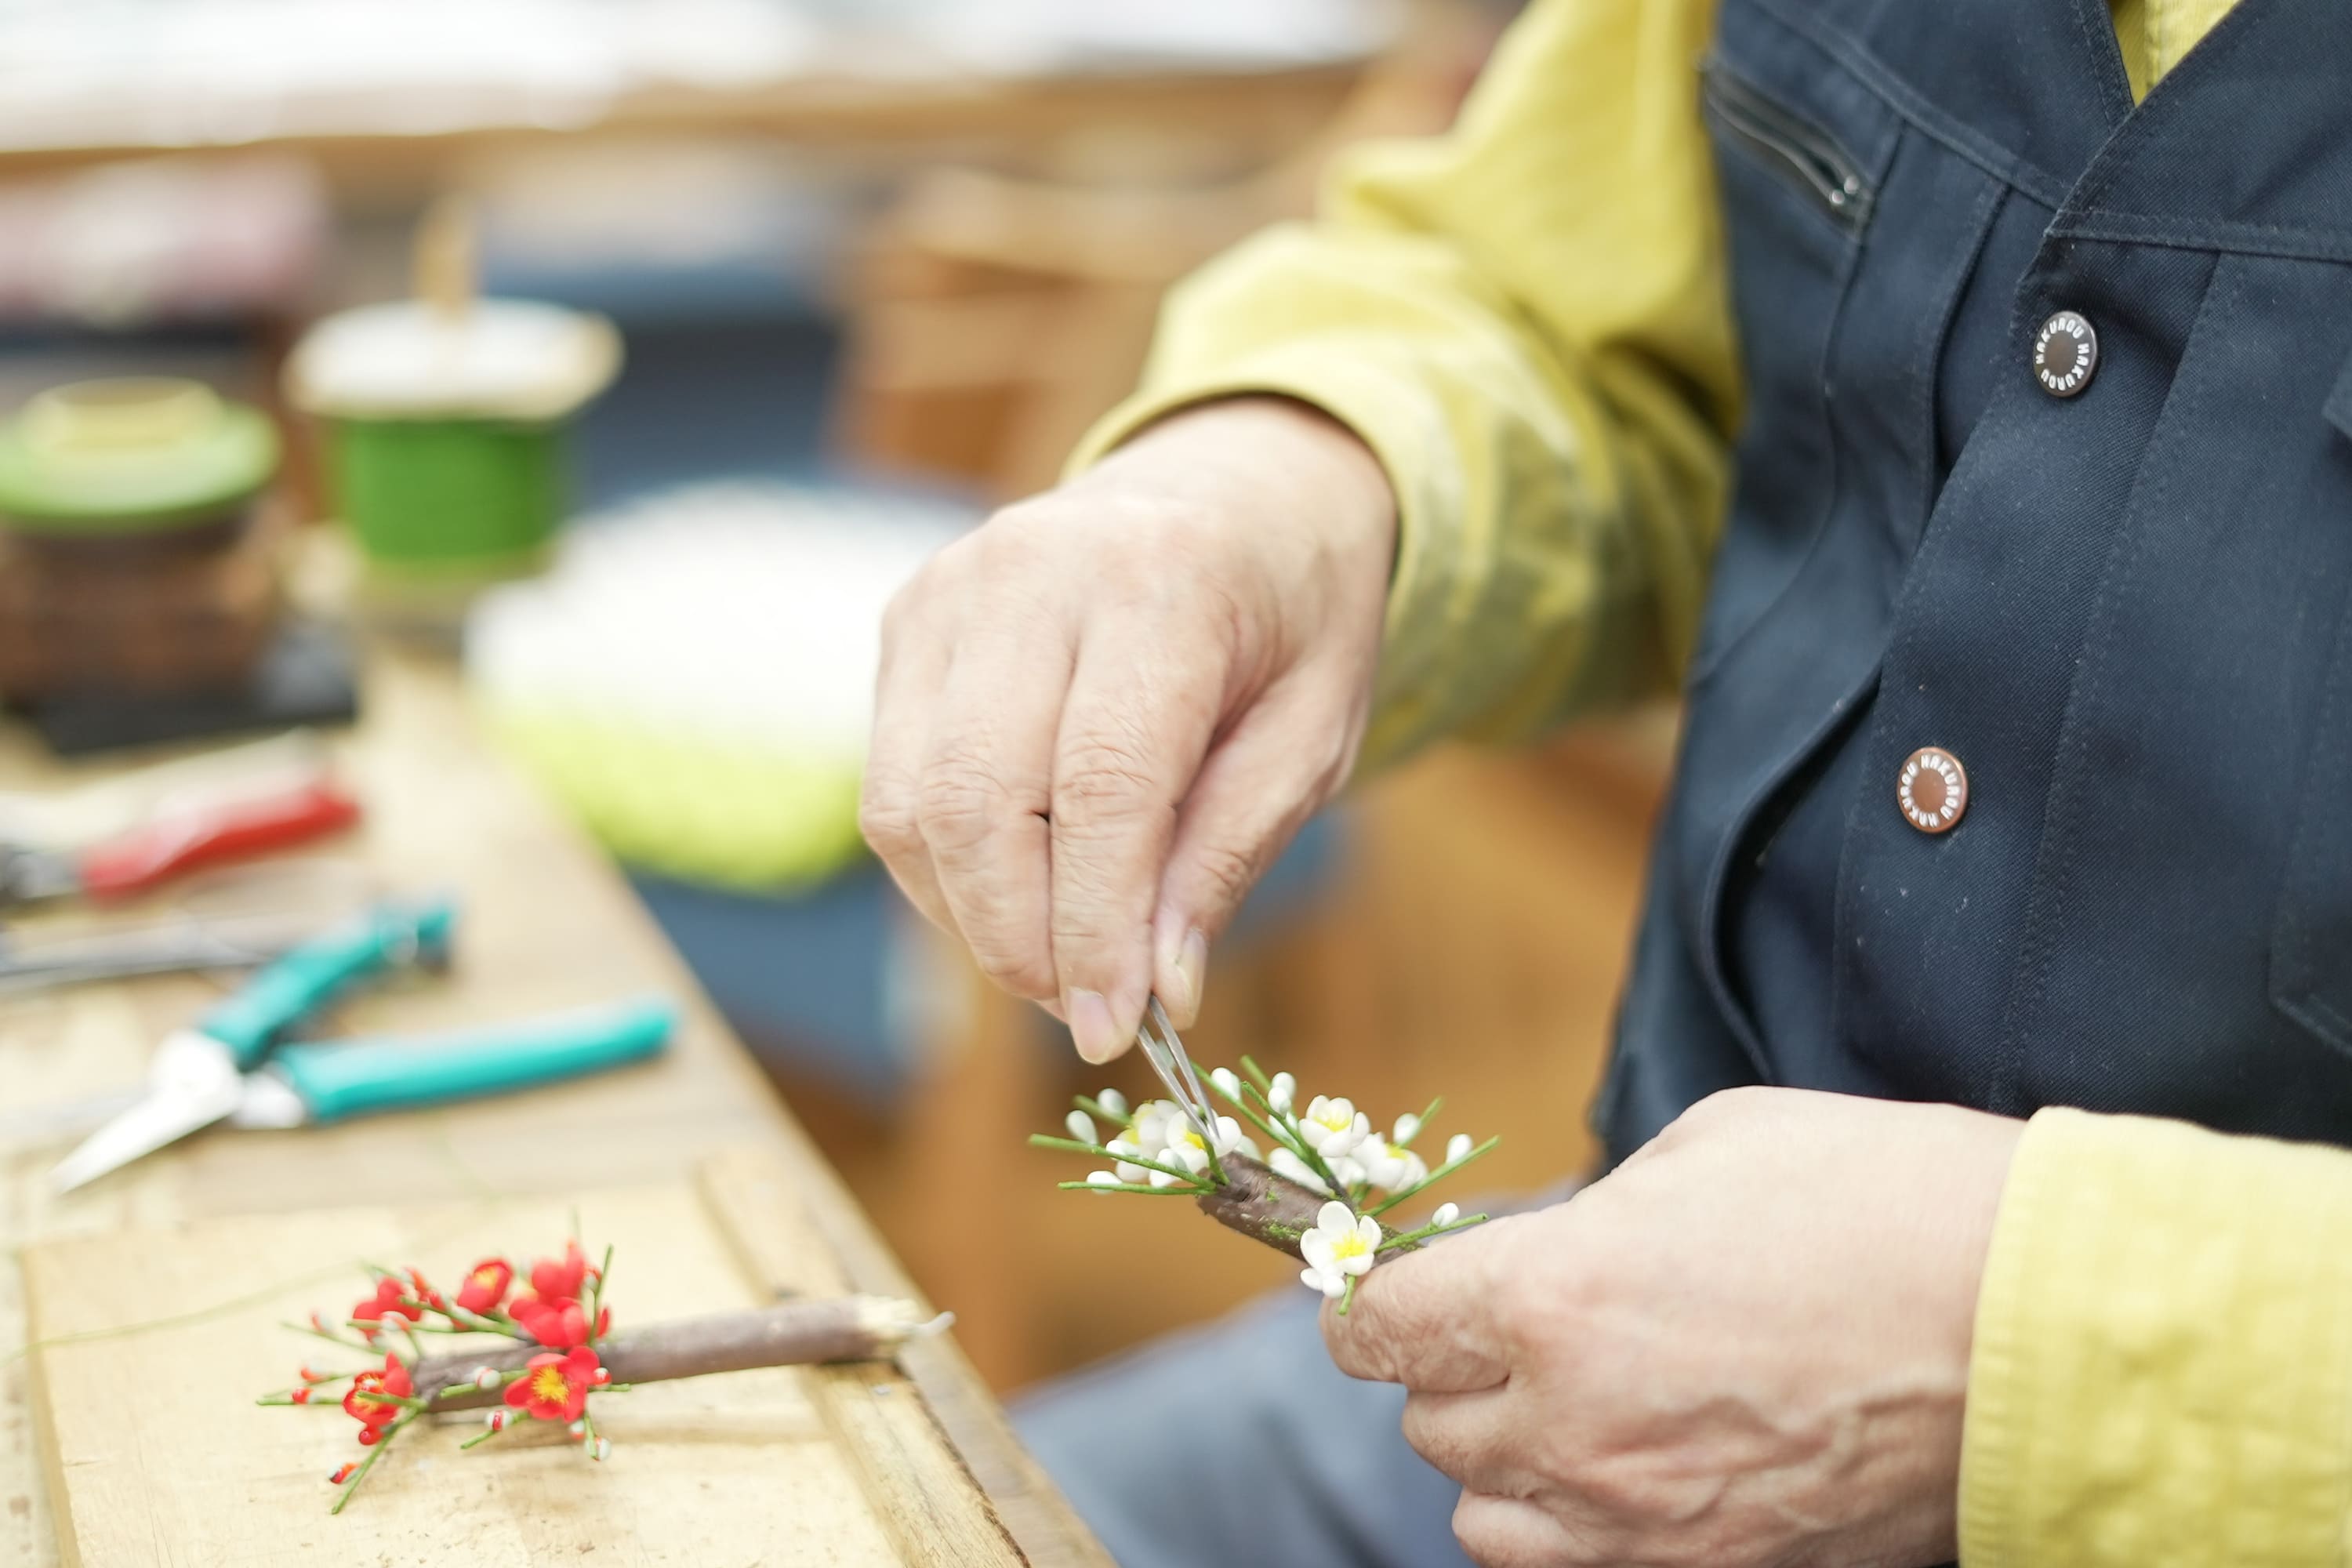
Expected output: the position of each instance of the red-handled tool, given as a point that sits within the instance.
(164, 847)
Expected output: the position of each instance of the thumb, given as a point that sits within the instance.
(1289, 752)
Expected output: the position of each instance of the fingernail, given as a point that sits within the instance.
(1092, 1029)
(1191, 975)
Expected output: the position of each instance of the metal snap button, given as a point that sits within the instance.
(1932, 790)
(2066, 354)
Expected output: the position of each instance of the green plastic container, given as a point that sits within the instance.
(428, 497)
(133, 457)
(447, 432)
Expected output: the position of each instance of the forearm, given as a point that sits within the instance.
(1553, 422)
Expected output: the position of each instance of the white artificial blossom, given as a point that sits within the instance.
(1334, 1126)
(1331, 1151)
(1342, 1247)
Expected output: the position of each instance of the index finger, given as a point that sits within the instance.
(1425, 1319)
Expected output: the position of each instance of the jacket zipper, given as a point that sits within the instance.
(1816, 166)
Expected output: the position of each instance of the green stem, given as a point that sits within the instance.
(1426, 1118)
(1430, 1180)
(484, 1435)
(1348, 1296)
(1258, 1076)
(596, 1301)
(1048, 1141)
(1190, 1192)
(1412, 1237)
(1099, 1112)
(382, 1441)
(333, 1338)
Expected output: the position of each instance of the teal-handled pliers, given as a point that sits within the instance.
(235, 1063)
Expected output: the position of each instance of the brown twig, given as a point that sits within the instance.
(791, 1333)
(1267, 1208)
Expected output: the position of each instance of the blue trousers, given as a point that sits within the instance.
(1238, 1443)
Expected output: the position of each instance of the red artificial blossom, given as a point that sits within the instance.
(372, 1414)
(556, 1387)
(563, 1312)
(486, 1286)
(555, 1280)
(559, 1324)
(391, 1299)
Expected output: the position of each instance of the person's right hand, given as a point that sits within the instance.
(1102, 714)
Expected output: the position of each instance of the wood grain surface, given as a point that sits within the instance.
(546, 922)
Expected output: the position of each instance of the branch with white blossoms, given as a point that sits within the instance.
(1315, 1188)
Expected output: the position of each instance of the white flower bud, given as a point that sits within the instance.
(602, 1450)
(1446, 1214)
(1408, 1127)
(1283, 1092)
(485, 1379)
(1458, 1147)
(578, 1428)
(1102, 1179)
(1227, 1084)
(1081, 1126)
(1111, 1099)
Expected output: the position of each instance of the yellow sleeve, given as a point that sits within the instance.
(2163, 1363)
(1527, 321)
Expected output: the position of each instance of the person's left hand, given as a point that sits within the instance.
(1748, 1345)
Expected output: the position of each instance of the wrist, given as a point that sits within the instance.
(1275, 448)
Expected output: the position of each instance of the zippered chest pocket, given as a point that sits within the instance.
(1801, 155)
(1795, 203)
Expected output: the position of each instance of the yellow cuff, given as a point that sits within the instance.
(2163, 1362)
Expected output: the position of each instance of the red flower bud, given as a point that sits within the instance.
(342, 1472)
(300, 1396)
(603, 1376)
(368, 1436)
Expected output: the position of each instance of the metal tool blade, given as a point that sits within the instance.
(1169, 1060)
(192, 1083)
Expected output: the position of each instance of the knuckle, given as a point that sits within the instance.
(1020, 970)
(886, 817)
(1104, 777)
(958, 801)
(1228, 871)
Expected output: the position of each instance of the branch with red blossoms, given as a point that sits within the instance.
(542, 1353)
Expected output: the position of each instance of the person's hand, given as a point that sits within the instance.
(1748, 1345)
(1103, 713)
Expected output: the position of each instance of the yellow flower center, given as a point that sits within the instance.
(1352, 1244)
(1331, 1120)
(547, 1385)
(1186, 1133)
(486, 1278)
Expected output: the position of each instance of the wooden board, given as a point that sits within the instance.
(157, 1453)
(544, 922)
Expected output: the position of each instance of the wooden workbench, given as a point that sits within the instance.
(545, 923)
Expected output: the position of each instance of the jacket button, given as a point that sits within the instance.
(2066, 354)
(1933, 790)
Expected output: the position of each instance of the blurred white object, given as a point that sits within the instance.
(694, 678)
(515, 358)
(168, 73)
